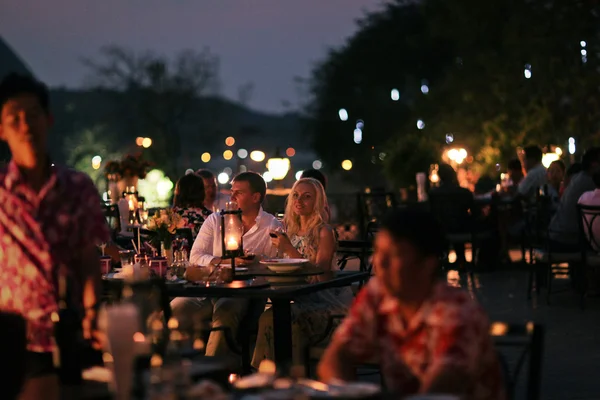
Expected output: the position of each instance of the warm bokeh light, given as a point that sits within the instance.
(347, 165)
(228, 154)
(558, 151)
(139, 140)
(457, 155)
(146, 142)
(290, 152)
(205, 157)
(267, 176)
(549, 158)
(223, 178)
(278, 167)
(96, 162)
(230, 141)
(257, 156)
(242, 153)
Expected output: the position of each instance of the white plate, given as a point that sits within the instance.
(284, 261)
(346, 389)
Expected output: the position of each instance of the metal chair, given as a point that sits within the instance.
(458, 213)
(590, 246)
(518, 345)
(545, 259)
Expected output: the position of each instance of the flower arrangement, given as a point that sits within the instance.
(165, 223)
(132, 165)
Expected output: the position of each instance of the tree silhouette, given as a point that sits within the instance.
(155, 94)
(459, 67)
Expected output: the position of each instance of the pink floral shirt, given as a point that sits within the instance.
(449, 330)
(41, 234)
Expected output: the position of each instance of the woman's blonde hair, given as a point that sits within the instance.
(291, 220)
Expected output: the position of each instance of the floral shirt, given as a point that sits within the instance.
(41, 234)
(449, 330)
(193, 218)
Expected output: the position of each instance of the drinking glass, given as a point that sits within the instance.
(276, 227)
(127, 260)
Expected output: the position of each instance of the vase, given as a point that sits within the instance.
(166, 253)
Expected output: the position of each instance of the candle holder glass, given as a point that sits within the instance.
(232, 232)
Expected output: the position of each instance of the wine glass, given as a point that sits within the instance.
(276, 227)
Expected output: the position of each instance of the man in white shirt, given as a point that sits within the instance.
(536, 173)
(248, 190)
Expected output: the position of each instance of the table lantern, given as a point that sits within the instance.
(232, 232)
(131, 195)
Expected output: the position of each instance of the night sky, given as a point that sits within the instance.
(266, 42)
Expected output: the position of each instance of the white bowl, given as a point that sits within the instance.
(284, 265)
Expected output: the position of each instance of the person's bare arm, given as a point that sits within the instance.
(91, 281)
(337, 363)
(325, 252)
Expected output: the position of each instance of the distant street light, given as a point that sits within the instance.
(343, 114)
(278, 166)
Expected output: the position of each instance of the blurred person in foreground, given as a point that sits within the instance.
(51, 221)
(427, 337)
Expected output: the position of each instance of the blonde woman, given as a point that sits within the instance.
(308, 236)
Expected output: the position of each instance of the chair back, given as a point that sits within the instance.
(13, 348)
(373, 206)
(518, 345)
(589, 227)
(111, 213)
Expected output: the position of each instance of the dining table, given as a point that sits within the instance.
(256, 281)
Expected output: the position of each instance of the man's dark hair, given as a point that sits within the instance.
(15, 84)
(573, 169)
(205, 174)
(533, 153)
(591, 156)
(447, 174)
(315, 174)
(189, 192)
(419, 228)
(255, 181)
(514, 165)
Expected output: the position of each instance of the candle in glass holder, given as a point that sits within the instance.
(232, 244)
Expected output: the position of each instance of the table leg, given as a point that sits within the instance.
(282, 329)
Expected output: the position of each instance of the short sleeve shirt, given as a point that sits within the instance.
(41, 234)
(449, 330)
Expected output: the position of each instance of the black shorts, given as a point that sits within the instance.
(38, 364)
